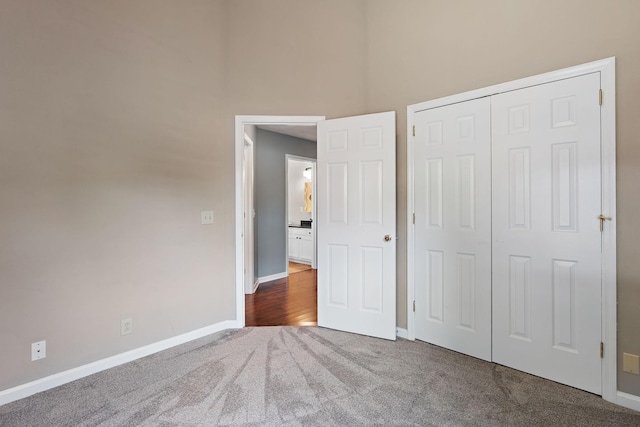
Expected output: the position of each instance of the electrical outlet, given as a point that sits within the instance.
(38, 350)
(631, 363)
(126, 326)
(206, 217)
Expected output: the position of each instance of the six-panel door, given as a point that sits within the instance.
(452, 170)
(546, 232)
(356, 211)
(542, 295)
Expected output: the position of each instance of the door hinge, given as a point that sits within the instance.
(414, 306)
(414, 217)
(414, 130)
(601, 350)
(600, 97)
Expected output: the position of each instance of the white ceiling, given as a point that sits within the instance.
(307, 132)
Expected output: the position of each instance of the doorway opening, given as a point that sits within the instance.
(246, 127)
(289, 300)
(356, 284)
(300, 212)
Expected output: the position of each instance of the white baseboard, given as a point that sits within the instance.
(255, 286)
(627, 400)
(25, 390)
(402, 333)
(273, 277)
(55, 380)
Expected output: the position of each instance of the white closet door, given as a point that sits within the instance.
(452, 250)
(546, 232)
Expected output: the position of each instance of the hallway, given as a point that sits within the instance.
(291, 301)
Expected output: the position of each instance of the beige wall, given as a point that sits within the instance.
(288, 57)
(420, 50)
(109, 151)
(116, 130)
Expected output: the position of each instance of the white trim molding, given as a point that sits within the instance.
(401, 333)
(271, 277)
(411, 330)
(55, 380)
(607, 70)
(627, 400)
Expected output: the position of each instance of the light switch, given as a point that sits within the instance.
(631, 363)
(206, 217)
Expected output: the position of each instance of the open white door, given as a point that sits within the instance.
(357, 224)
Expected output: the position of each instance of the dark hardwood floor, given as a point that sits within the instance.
(292, 301)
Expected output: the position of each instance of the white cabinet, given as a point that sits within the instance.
(306, 248)
(301, 245)
(294, 246)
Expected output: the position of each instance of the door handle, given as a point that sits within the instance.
(387, 238)
(602, 219)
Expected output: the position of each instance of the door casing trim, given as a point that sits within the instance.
(240, 122)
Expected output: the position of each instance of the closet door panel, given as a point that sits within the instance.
(453, 227)
(546, 232)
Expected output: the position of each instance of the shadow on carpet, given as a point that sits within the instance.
(311, 376)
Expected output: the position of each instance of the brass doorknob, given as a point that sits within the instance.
(387, 238)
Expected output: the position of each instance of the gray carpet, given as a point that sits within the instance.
(311, 376)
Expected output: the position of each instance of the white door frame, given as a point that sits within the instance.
(606, 68)
(240, 122)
